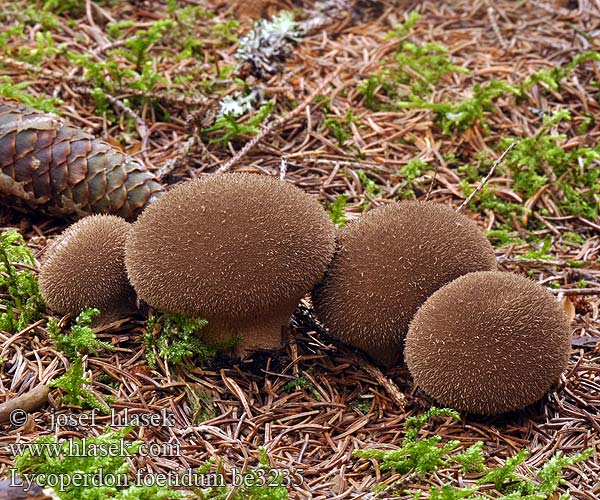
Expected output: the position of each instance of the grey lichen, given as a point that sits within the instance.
(269, 43)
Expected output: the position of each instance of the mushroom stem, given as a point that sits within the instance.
(387, 354)
(257, 332)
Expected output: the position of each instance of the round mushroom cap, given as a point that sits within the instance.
(229, 246)
(488, 343)
(387, 264)
(85, 267)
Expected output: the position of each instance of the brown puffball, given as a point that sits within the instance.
(488, 343)
(85, 267)
(387, 264)
(239, 250)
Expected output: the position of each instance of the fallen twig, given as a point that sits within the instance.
(575, 291)
(487, 177)
(388, 384)
(170, 164)
(28, 402)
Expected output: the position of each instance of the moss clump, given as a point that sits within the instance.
(19, 289)
(48, 457)
(423, 456)
(81, 339)
(175, 339)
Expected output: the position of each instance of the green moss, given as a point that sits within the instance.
(226, 32)
(588, 123)
(553, 76)
(50, 457)
(504, 237)
(6, 39)
(371, 189)
(73, 385)
(298, 383)
(139, 43)
(337, 210)
(413, 70)
(260, 483)
(71, 7)
(19, 288)
(17, 91)
(486, 199)
(542, 253)
(44, 48)
(402, 30)
(414, 168)
(90, 475)
(81, 339)
(230, 128)
(175, 339)
(458, 116)
(363, 407)
(423, 456)
(341, 128)
(577, 179)
(573, 237)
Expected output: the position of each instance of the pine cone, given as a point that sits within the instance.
(53, 168)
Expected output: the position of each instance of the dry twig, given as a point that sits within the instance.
(28, 402)
(486, 178)
(277, 123)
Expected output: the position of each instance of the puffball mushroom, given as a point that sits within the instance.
(85, 267)
(387, 264)
(488, 343)
(239, 250)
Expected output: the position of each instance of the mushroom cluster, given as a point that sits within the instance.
(419, 281)
(387, 264)
(239, 250)
(410, 280)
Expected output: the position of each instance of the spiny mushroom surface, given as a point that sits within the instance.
(239, 250)
(85, 267)
(488, 343)
(387, 264)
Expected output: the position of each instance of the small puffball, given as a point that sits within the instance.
(85, 267)
(488, 343)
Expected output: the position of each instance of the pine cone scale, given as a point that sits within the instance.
(25, 143)
(7, 145)
(40, 177)
(24, 169)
